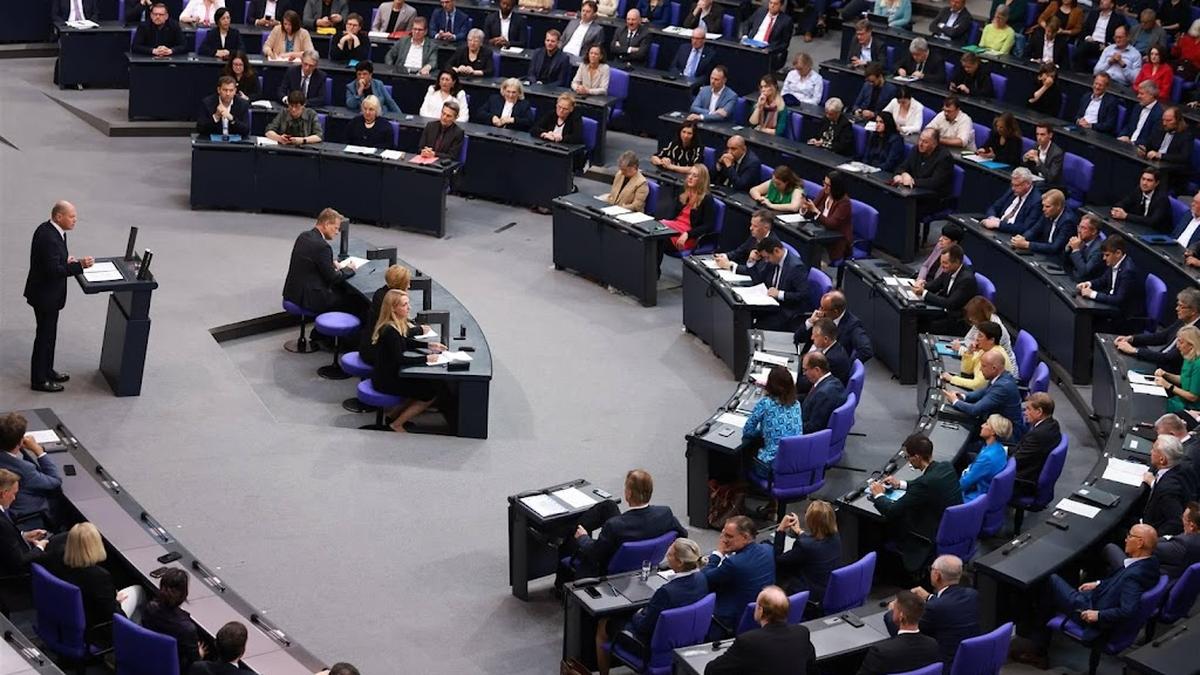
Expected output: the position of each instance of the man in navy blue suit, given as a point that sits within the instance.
(449, 24)
(736, 572)
(1083, 250)
(786, 277)
(738, 168)
(770, 25)
(1001, 396)
(1118, 285)
(1141, 122)
(549, 64)
(307, 79)
(1017, 209)
(694, 60)
(1098, 110)
(46, 291)
(875, 93)
(826, 395)
(41, 483)
(824, 339)
(851, 334)
(951, 610)
(774, 647)
(1052, 231)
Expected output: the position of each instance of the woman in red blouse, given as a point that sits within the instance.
(831, 209)
(1156, 68)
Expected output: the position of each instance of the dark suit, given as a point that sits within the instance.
(312, 280)
(458, 23)
(1165, 353)
(839, 367)
(548, 69)
(40, 485)
(853, 337)
(1153, 121)
(572, 128)
(933, 68)
(95, 585)
(1000, 396)
(177, 623)
(842, 142)
(874, 98)
(773, 649)
(445, 141)
(62, 10)
(708, 59)
(239, 110)
(1052, 168)
(979, 83)
(741, 175)
(149, 36)
(212, 42)
(1027, 216)
(46, 292)
(781, 30)
(902, 653)
(522, 112)
(737, 580)
(934, 171)
(634, 525)
(1126, 294)
(950, 617)
(15, 552)
(1031, 452)
(1116, 598)
(1042, 240)
(1086, 52)
(791, 278)
(712, 20)
(808, 564)
(1085, 263)
(258, 10)
(824, 397)
(1176, 156)
(635, 49)
(876, 50)
(516, 28)
(1158, 216)
(1178, 553)
(920, 512)
(956, 34)
(1037, 43)
(314, 96)
(678, 592)
(1106, 117)
(952, 291)
(1166, 500)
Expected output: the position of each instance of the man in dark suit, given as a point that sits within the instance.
(694, 60)
(40, 481)
(415, 52)
(786, 277)
(549, 65)
(314, 280)
(705, 13)
(1049, 45)
(632, 43)
(307, 79)
(17, 548)
(1178, 552)
(971, 77)
(1168, 486)
(160, 36)
(736, 572)
(950, 290)
(230, 647)
(952, 23)
(774, 647)
(1141, 121)
(745, 258)
(865, 49)
(851, 334)
(1159, 347)
(919, 509)
(1171, 143)
(1118, 285)
(75, 10)
(448, 24)
(46, 291)
(1045, 158)
(137, 11)
(223, 112)
(826, 394)
(1050, 234)
(1084, 259)
(505, 28)
(1099, 29)
(951, 610)
(738, 168)
(909, 649)
(443, 138)
(1001, 396)
(582, 32)
(835, 133)
(771, 25)
(259, 16)
(1018, 209)
(929, 168)
(875, 93)
(824, 334)
(1098, 110)
(1035, 446)
(921, 63)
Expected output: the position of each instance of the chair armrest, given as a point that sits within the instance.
(30, 516)
(629, 641)
(728, 631)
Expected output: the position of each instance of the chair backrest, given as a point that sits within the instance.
(618, 83)
(860, 139)
(848, 586)
(765, 172)
(321, 119)
(1027, 144)
(1041, 379)
(1177, 89)
(864, 220)
(60, 618)
(680, 627)
(796, 604)
(727, 26)
(1078, 173)
(999, 86)
(1182, 596)
(841, 421)
(710, 157)
(629, 556)
(931, 669)
(674, 13)
(496, 64)
(1025, 349)
(741, 110)
(1156, 299)
(986, 288)
(796, 127)
(811, 189)
(984, 654)
(1181, 213)
(976, 30)
(201, 33)
(1124, 633)
(982, 133)
(396, 132)
(799, 465)
(143, 652)
(959, 530)
(329, 91)
(651, 196)
(590, 131)
(1195, 164)
(718, 215)
(858, 377)
(998, 495)
(950, 67)
(652, 55)
(960, 175)
(927, 115)
(819, 284)
(462, 151)
(824, 90)
(1051, 470)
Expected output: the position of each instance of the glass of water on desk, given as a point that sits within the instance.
(646, 567)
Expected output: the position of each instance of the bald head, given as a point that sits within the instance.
(1145, 538)
(63, 214)
(947, 571)
(771, 606)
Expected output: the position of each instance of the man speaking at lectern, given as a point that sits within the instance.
(46, 291)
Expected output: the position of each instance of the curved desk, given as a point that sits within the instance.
(714, 312)
(19, 656)
(1162, 260)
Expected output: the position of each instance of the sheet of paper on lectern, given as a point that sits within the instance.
(543, 505)
(577, 498)
(102, 271)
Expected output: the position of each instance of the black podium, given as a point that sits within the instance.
(127, 328)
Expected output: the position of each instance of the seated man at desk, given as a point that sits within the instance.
(715, 102)
(416, 52)
(1098, 109)
(1045, 158)
(738, 168)
(1035, 446)
(19, 548)
(582, 32)
(952, 233)
(1138, 127)
(1099, 29)
(1118, 285)
(824, 339)
(549, 64)
(951, 610)
(825, 395)
(442, 138)
(851, 333)
(41, 484)
(296, 125)
(325, 14)
(736, 572)
(314, 281)
(865, 49)
(1052, 231)
(786, 277)
(950, 290)
(505, 28)
(1177, 552)
(696, 59)
(770, 25)
(875, 93)
(921, 64)
(1120, 60)
(365, 85)
(160, 36)
(1171, 143)
(632, 43)
(955, 128)
(836, 133)
(224, 112)
(229, 648)
(928, 168)
(774, 646)
(448, 24)
(629, 188)
(393, 16)
(909, 649)
(307, 79)
(952, 23)
(745, 258)
(918, 512)
(1001, 396)
(1168, 486)
(1160, 347)
(1084, 259)
(1018, 209)
(971, 78)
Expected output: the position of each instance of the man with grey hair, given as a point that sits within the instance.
(1138, 128)
(951, 610)
(442, 138)
(921, 64)
(835, 133)
(774, 647)
(629, 188)
(307, 79)
(1159, 347)
(1169, 487)
(1017, 210)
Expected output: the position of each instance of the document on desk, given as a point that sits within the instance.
(772, 359)
(731, 277)
(793, 218)
(1135, 377)
(1148, 389)
(378, 34)
(392, 154)
(103, 271)
(614, 210)
(44, 436)
(708, 261)
(1123, 471)
(427, 336)
(83, 24)
(513, 50)
(263, 141)
(543, 505)
(358, 150)
(419, 159)
(858, 167)
(756, 295)
(603, 197)
(575, 497)
(452, 357)
(1078, 508)
(354, 261)
(732, 419)
(635, 217)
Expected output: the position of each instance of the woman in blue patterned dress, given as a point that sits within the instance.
(775, 416)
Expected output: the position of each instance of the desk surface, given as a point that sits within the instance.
(1171, 652)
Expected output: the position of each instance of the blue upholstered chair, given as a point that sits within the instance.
(60, 621)
(678, 627)
(958, 533)
(1044, 494)
(798, 469)
(841, 421)
(849, 586)
(1180, 598)
(381, 402)
(998, 495)
(1026, 351)
(1118, 637)
(139, 651)
(1041, 379)
(629, 555)
(301, 345)
(983, 654)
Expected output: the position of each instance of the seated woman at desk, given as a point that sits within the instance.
(238, 67)
(776, 416)
(814, 555)
(908, 112)
(1156, 69)
(474, 59)
(398, 278)
(446, 88)
(885, 147)
(781, 193)
(394, 341)
(998, 36)
(978, 311)
(831, 209)
(1004, 143)
(1183, 388)
(221, 41)
(770, 114)
(696, 207)
(1047, 99)
(656, 12)
(977, 477)
(368, 128)
(201, 12)
(686, 587)
(681, 154)
(353, 45)
(802, 84)
(592, 76)
(288, 41)
(508, 109)
(561, 125)
(80, 565)
(898, 12)
(165, 614)
(987, 339)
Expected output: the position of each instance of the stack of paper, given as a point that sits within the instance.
(354, 261)
(44, 436)
(898, 281)
(83, 24)
(858, 167)
(709, 262)
(755, 295)
(512, 50)
(1141, 383)
(543, 505)
(635, 217)
(261, 104)
(772, 359)
(263, 140)
(102, 271)
(1078, 508)
(793, 218)
(732, 419)
(378, 34)
(614, 210)
(1122, 471)
(731, 277)
(428, 336)
(603, 197)
(575, 497)
(452, 357)
(359, 150)
(392, 154)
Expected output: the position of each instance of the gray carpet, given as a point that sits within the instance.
(386, 551)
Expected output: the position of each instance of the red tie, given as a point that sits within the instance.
(770, 25)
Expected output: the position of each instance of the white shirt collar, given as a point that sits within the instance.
(1130, 561)
(61, 232)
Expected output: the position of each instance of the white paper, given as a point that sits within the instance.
(261, 103)
(898, 281)
(710, 36)
(756, 295)
(635, 218)
(1124, 472)
(792, 217)
(1078, 508)
(513, 50)
(452, 357)
(858, 167)
(103, 271)
(102, 266)
(772, 359)
(44, 436)
(1148, 389)
(359, 150)
(601, 197)
(427, 337)
(378, 34)
(710, 263)
(614, 210)
(263, 140)
(732, 277)
(575, 497)
(83, 24)
(732, 419)
(904, 78)
(543, 505)
(392, 154)
(354, 261)
(1139, 378)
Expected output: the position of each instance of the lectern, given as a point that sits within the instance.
(127, 328)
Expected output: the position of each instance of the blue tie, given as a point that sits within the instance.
(692, 62)
(450, 22)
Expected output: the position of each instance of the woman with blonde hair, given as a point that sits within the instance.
(990, 461)
(816, 552)
(696, 207)
(80, 566)
(1183, 388)
(394, 338)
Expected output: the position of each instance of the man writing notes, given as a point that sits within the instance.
(314, 280)
(46, 291)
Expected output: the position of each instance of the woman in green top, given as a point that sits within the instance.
(781, 193)
(1184, 388)
(998, 36)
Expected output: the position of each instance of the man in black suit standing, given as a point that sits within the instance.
(1035, 445)
(826, 394)
(951, 290)
(774, 647)
(824, 339)
(1159, 347)
(951, 610)
(307, 79)
(442, 138)
(786, 277)
(631, 44)
(17, 548)
(1168, 486)
(46, 291)
(852, 336)
(314, 280)
(909, 649)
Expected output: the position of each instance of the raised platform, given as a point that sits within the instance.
(108, 112)
(28, 50)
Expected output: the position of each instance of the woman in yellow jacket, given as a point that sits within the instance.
(987, 339)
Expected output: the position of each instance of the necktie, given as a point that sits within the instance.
(778, 273)
(450, 22)
(920, 67)
(770, 25)
(1053, 225)
(950, 284)
(1145, 204)
(1166, 142)
(1012, 211)
(692, 63)
(304, 86)
(1113, 286)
